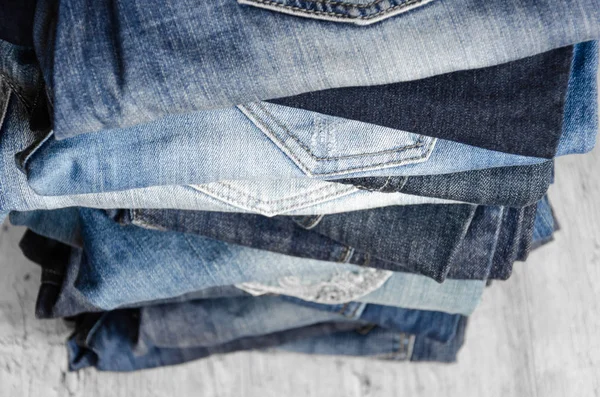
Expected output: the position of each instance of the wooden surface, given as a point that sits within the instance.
(534, 335)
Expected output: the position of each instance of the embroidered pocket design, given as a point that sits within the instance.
(359, 12)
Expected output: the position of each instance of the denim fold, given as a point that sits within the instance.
(224, 53)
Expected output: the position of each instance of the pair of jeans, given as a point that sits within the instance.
(183, 61)
(519, 104)
(382, 343)
(286, 143)
(313, 149)
(205, 147)
(516, 186)
(294, 197)
(210, 322)
(439, 241)
(111, 342)
(579, 127)
(176, 264)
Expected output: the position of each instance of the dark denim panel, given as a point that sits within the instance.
(514, 241)
(418, 238)
(110, 342)
(422, 238)
(519, 104)
(527, 229)
(16, 21)
(473, 258)
(53, 256)
(515, 186)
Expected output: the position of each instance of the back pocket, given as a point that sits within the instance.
(324, 146)
(359, 12)
(275, 197)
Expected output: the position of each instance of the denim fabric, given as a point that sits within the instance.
(109, 342)
(579, 129)
(514, 241)
(519, 105)
(313, 237)
(580, 124)
(420, 239)
(16, 21)
(545, 224)
(516, 186)
(293, 197)
(383, 344)
(474, 256)
(110, 66)
(205, 147)
(176, 264)
(57, 296)
(211, 322)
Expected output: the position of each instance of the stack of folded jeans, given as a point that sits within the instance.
(340, 178)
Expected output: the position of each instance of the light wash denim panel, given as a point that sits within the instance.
(269, 197)
(278, 143)
(114, 65)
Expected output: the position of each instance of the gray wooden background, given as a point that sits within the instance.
(533, 335)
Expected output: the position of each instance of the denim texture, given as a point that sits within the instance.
(519, 105)
(16, 21)
(580, 123)
(293, 197)
(57, 296)
(382, 344)
(545, 224)
(204, 147)
(514, 241)
(183, 61)
(516, 186)
(420, 239)
(287, 143)
(363, 237)
(211, 322)
(579, 129)
(176, 264)
(109, 342)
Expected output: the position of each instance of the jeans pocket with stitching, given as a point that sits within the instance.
(326, 147)
(359, 12)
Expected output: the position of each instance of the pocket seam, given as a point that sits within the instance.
(360, 19)
(418, 143)
(227, 198)
(266, 129)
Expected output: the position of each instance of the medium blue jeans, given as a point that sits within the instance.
(113, 65)
(111, 342)
(177, 263)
